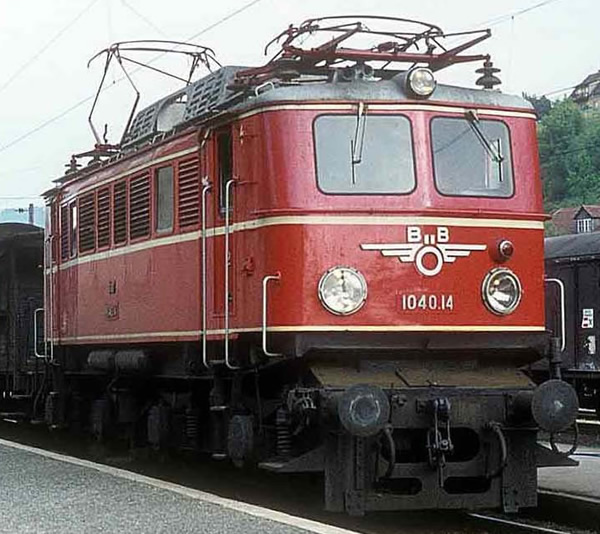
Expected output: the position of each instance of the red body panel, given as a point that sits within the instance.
(283, 223)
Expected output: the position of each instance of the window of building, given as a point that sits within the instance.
(584, 226)
(364, 154)
(163, 187)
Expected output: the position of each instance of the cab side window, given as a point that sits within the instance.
(163, 187)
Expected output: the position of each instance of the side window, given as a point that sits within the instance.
(73, 228)
(163, 188)
(225, 163)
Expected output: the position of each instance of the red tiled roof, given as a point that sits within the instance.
(562, 219)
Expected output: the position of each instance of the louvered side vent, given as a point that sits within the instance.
(64, 233)
(87, 222)
(139, 206)
(103, 217)
(189, 193)
(120, 212)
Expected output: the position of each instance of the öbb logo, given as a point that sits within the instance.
(428, 251)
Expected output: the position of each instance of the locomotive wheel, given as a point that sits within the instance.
(100, 419)
(240, 439)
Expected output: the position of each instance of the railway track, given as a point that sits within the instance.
(517, 526)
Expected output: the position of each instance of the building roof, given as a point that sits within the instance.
(562, 219)
(592, 209)
(581, 91)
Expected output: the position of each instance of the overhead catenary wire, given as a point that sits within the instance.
(60, 115)
(143, 17)
(511, 16)
(46, 46)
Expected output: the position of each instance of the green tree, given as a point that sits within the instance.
(560, 142)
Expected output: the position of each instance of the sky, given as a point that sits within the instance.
(47, 88)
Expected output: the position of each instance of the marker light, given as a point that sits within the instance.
(505, 249)
(420, 81)
(501, 291)
(342, 290)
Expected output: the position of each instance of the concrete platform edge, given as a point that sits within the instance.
(238, 506)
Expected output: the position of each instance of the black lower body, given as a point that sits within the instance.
(453, 429)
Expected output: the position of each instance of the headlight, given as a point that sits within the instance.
(363, 410)
(420, 81)
(501, 291)
(342, 290)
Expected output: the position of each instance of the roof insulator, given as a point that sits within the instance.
(488, 79)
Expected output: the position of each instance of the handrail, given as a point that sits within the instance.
(265, 283)
(228, 185)
(205, 190)
(563, 326)
(35, 334)
(51, 318)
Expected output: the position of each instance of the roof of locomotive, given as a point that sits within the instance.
(213, 94)
(572, 247)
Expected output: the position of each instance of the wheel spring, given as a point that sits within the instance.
(284, 435)
(191, 426)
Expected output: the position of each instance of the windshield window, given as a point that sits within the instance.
(364, 154)
(471, 157)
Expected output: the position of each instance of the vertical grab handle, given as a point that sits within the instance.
(35, 334)
(265, 284)
(228, 186)
(48, 302)
(205, 190)
(563, 327)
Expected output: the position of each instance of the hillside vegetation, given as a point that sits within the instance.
(569, 141)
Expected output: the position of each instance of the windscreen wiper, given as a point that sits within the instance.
(493, 148)
(357, 144)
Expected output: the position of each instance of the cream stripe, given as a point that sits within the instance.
(309, 328)
(130, 172)
(390, 107)
(309, 220)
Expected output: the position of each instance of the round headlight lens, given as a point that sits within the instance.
(501, 291)
(363, 409)
(421, 81)
(342, 290)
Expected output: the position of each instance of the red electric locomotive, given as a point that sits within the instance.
(329, 263)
